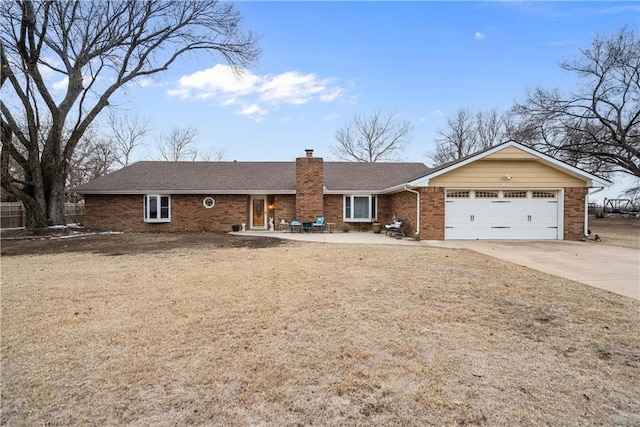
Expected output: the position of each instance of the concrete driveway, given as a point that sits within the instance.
(606, 267)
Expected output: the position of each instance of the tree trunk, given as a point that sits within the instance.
(56, 199)
(35, 217)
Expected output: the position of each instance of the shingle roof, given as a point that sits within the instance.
(247, 177)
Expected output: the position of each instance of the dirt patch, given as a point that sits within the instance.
(308, 334)
(79, 241)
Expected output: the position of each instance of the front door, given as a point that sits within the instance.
(258, 213)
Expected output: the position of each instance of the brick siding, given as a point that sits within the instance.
(125, 213)
(574, 213)
(403, 206)
(285, 207)
(432, 213)
(309, 188)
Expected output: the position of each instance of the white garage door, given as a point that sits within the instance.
(501, 214)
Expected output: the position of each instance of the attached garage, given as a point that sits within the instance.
(508, 192)
(501, 214)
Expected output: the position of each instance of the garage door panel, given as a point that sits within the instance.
(518, 218)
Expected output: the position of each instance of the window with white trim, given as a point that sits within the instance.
(157, 208)
(360, 208)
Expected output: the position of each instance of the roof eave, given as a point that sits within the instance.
(181, 192)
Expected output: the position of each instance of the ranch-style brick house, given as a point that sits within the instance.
(507, 192)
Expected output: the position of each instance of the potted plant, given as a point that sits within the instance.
(376, 227)
(235, 227)
(345, 228)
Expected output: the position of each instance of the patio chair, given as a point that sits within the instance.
(395, 229)
(319, 224)
(295, 226)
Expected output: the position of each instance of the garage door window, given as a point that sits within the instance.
(543, 195)
(515, 194)
(486, 194)
(458, 194)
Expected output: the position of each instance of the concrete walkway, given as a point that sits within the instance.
(606, 267)
(355, 237)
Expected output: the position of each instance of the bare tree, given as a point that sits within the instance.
(372, 138)
(94, 49)
(633, 193)
(597, 127)
(94, 156)
(458, 139)
(491, 128)
(212, 155)
(467, 133)
(179, 144)
(126, 133)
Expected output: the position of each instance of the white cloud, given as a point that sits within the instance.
(433, 115)
(291, 88)
(254, 93)
(559, 43)
(331, 95)
(218, 80)
(61, 84)
(147, 82)
(479, 35)
(253, 111)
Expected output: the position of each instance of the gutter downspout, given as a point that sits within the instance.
(586, 209)
(417, 193)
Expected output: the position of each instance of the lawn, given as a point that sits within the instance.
(298, 333)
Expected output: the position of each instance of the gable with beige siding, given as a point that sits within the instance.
(511, 153)
(491, 171)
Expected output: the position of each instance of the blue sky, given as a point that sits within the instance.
(324, 61)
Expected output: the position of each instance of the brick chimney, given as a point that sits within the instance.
(309, 187)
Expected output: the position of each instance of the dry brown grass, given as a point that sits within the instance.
(621, 231)
(304, 334)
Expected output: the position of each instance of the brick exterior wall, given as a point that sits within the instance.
(432, 201)
(403, 206)
(125, 213)
(309, 188)
(333, 209)
(285, 207)
(574, 213)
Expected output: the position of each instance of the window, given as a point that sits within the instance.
(486, 194)
(458, 194)
(208, 202)
(515, 194)
(157, 208)
(360, 208)
(543, 194)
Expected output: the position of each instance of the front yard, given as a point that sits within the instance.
(300, 334)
